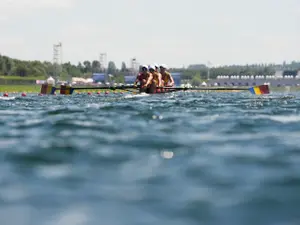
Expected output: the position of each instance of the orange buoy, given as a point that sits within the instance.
(106, 92)
(89, 93)
(98, 92)
(23, 94)
(5, 94)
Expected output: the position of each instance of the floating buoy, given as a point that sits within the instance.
(106, 92)
(5, 94)
(98, 92)
(89, 93)
(121, 92)
(23, 94)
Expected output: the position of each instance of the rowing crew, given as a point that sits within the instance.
(152, 79)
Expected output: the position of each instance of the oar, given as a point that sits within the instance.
(105, 87)
(258, 90)
(68, 90)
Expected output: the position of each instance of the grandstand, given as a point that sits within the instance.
(280, 78)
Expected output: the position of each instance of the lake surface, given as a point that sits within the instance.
(172, 159)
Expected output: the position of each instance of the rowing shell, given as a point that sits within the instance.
(68, 90)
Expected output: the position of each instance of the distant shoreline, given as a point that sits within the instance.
(35, 88)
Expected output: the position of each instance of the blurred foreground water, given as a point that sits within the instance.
(173, 159)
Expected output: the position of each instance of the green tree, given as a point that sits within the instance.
(95, 66)
(111, 69)
(87, 66)
(196, 81)
(21, 70)
(123, 67)
(80, 67)
(119, 78)
(4, 68)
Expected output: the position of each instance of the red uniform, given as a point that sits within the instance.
(142, 78)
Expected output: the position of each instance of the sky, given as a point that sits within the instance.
(174, 32)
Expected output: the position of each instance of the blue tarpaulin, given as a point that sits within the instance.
(177, 78)
(129, 79)
(99, 77)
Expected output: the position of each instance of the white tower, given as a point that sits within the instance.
(103, 61)
(208, 70)
(134, 66)
(57, 60)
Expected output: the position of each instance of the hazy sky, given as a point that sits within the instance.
(174, 32)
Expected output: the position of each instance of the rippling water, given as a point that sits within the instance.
(173, 159)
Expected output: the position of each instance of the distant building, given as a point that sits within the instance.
(280, 78)
(80, 80)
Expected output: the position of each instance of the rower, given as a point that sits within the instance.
(142, 78)
(160, 77)
(167, 79)
(156, 76)
(153, 81)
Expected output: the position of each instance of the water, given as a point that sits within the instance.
(173, 159)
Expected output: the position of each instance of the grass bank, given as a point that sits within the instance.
(22, 78)
(16, 80)
(20, 88)
(37, 89)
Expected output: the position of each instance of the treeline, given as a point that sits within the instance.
(15, 67)
(194, 73)
(22, 68)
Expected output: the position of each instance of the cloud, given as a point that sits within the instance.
(195, 31)
(88, 38)
(14, 9)
(33, 4)
(11, 43)
(12, 40)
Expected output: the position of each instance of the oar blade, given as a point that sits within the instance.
(260, 90)
(47, 89)
(105, 87)
(66, 90)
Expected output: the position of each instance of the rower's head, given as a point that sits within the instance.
(152, 69)
(144, 68)
(163, 67)
(156, 67)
